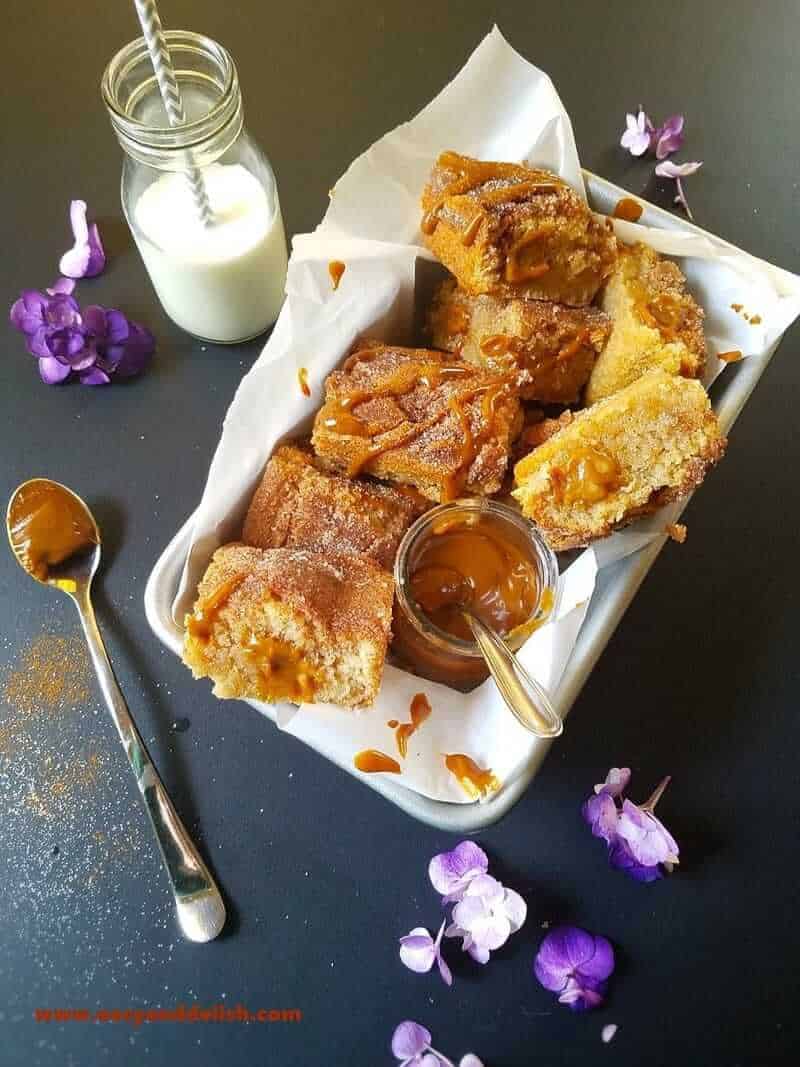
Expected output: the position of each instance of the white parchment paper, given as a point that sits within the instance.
(498, 107)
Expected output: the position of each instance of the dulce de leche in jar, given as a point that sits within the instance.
(474, 555)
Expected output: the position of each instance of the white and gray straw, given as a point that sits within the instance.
(171, 94)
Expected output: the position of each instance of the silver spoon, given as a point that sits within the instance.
(56, 540)
(526, 699)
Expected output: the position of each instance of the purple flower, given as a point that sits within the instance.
(123, 347)
(38, 315)
(486, 916)
(668, 138)
(668, 169)
(419, 951)
(97, 345)
(576, 965)
(411, 1044)
(638, 843)
(451, 872)
(86, 258)
(602, 815)
(638, 133)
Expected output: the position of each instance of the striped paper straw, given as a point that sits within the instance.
(170, 94)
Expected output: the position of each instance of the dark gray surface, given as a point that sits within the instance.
(322, 875)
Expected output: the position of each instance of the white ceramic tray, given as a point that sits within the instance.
(616, 584)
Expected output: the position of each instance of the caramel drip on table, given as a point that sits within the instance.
(199, 623)
(336, 269)
(730, 357)
(371, 761)
(302, 378)
(47, 525)
(420, 710)
(628, 209)
(474, 780)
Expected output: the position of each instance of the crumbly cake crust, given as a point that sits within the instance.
(555, 346)
(421, 418)
(650, 443)
(330, 615)
(514, 231)
(657, 323)
(298, 506)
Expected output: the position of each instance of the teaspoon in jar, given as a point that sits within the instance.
(525, 698)
(56, 540)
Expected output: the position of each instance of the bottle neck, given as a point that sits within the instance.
(212, 99)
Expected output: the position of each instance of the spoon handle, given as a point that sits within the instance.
(526, 699)
(201, 912)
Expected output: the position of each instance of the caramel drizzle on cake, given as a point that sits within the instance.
(471, 175)
(343, 418)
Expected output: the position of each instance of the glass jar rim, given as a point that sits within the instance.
(190, 134)
(544, 556)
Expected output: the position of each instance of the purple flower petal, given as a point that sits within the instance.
(117, 327)
(94, 319)
(516, 910)
(86, 258)
(37, 343)
(417, 950)
(410, 1039)
(602, 814)
(668, 169)
(94, 376)
(451, 872)
(28, 313)
(137, 352)
(579, 997)
(75, 262)
(616, 782)
(637, 135)
(62, 310)
(621, 859)
(470, 1060)
(52, 372)
(478, 952)
(62, 285)
(669, 136)
(648, 840)
(68, 345)
(97, 254)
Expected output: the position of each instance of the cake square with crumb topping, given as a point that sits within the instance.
(553, 345)
(287, 624)
(298, 506)
(657, 323)
(419, 417)
(625, 456)
(514, 231)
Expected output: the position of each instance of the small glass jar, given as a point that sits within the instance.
(431, 652)
(222, 281)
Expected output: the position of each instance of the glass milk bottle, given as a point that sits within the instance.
(221, 280)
